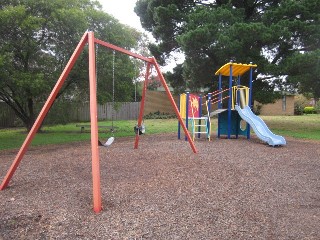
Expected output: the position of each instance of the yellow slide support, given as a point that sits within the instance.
(243, 92)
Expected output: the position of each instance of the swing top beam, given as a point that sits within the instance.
(122, 50)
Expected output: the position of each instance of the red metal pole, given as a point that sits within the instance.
(94, 125)
(174, 105)
(144, 90)
(44, 111)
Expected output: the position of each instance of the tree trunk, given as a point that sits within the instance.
(31, 119)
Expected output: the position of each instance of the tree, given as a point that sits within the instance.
(304, 72)
(153, 83)
(37, 38)
(212, 32)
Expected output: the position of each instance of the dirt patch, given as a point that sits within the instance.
(230, 189)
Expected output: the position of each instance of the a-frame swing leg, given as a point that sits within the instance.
(143, 99)
(174, 105)
(94, 125)
(44, 111)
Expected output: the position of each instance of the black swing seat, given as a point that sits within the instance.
(139, 130)
(107, 143)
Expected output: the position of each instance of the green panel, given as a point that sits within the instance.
(235, 124)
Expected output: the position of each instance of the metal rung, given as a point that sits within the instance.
(200, 118)
(200, 132)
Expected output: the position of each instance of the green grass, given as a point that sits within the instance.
(60, 134)
(305, 126)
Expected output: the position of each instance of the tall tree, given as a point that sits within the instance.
(268, 33)
(37, 38)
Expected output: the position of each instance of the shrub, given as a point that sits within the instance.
(309, 110)
(299, 104)
(257, 109)
(298, 109)
(158, 115)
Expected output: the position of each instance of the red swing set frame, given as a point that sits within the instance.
(88, 38)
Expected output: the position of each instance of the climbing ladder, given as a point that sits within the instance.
(201, 125)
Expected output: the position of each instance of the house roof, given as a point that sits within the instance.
(238, 69)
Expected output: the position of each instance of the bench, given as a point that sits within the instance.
(83, 126)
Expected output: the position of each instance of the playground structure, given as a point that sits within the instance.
(230, 119)
(235, 119)
(190, 106)
(88, 38)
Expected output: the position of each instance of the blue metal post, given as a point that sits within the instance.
(199, 114)
(187, 113)
(230, 102)
(219, 102)
(238, 103)
(220, 94)
(209, 110)
(209, 102)
(250, 99)
(250, 88)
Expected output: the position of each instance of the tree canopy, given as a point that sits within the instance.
(282, 37)
(37, 38)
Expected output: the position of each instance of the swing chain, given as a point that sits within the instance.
(113, 95)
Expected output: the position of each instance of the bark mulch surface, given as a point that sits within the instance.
(230, 189)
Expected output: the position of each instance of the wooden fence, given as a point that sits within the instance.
(122, 111)
(159, 101)
(75, 112)
(64, 112)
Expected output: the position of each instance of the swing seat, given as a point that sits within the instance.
(107, 143)
(139, 130)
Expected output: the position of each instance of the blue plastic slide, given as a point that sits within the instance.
(259, 127)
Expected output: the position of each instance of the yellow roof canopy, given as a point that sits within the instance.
(238, 69)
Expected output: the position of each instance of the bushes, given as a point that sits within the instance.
(257, 109)
(299, 104)
(298, 109)
(303, 105)
(158, 115)
(309, 110)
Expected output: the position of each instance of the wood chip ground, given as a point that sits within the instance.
(230, 189)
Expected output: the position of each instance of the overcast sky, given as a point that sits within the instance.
(123, 10)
